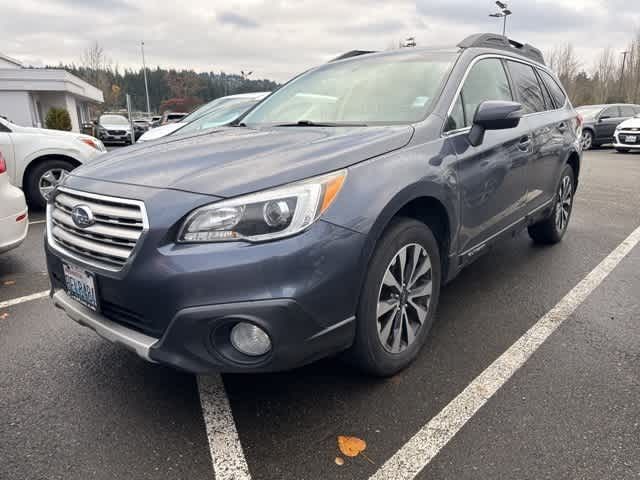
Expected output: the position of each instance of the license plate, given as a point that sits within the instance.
(631, 138)
(81, 286)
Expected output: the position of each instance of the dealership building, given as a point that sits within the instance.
(27, 94)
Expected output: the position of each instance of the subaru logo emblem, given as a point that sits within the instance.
(82, 216)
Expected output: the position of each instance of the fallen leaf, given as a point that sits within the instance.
(339, 461)
(9, 282)
(351, 446)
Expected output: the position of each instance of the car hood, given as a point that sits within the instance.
(159, 132)
(115, 126)
(235, 160)
(630, 123)
(50, 133)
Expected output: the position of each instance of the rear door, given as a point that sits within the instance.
(548, 127)
(492, 176)
(606, 124)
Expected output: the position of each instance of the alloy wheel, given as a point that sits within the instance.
(587, 140)
(49, 180)
(404, 298)
(563, 205)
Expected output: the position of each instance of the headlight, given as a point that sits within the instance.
(267, 215)
(93, 142)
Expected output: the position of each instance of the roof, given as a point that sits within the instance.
(7, 59)
(48, 80)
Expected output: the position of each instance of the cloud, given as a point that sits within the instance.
(234, 19)
(280, 38)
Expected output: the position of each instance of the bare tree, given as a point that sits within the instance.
(564, 62)
(605, 77)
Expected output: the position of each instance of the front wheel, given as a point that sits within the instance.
(398, 300)
(552, 229)
(43, 178)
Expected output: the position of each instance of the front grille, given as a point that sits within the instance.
(110, 241)
(117, 132)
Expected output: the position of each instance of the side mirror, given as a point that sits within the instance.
(494, 115)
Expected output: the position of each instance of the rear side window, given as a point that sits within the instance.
(627, 111)
(487, 80)
(526, 83)
(559, 98)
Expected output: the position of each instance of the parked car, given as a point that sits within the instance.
(627, 135)
(213, 114)
(600, 122)
(155, 121)
(38, 158)
(325, 219)
(168, 129)
(14, 220)
(172, 117)
(114, 129)
(140, 127)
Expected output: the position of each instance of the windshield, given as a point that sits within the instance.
(372, 90)
(219, 116)
(198, 112)
(113, 120)
(589, 112)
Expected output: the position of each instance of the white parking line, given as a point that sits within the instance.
(27, 298)
(227, 456)
(416, 454)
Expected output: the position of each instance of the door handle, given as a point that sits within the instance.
(524, 143)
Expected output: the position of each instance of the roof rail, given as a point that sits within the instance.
(492, 40)
(352, 53)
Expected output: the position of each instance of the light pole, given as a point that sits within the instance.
(503, 13)
(146, 85)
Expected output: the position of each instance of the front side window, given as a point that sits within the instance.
(487, 80)
(526, 83)
(611, 112)
(379, 89)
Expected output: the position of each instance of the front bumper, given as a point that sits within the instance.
(619, 140)
(184, 299)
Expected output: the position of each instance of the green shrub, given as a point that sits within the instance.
(58, 119)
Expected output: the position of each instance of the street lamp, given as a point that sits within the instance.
(146, 85)
(503, 13)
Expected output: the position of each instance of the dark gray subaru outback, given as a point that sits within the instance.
(326, 219)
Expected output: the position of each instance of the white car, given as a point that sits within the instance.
(114, 129)
(168, 129)
(14, 221)
(38, 158)
(627, 135)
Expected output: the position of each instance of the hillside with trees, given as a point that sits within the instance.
(176, 90)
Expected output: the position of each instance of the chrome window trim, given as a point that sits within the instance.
(84, 261)
(534, 65)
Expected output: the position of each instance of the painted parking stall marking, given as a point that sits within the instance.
(416, 454)
(26, 298)
(228, 459)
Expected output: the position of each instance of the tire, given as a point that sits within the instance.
(587, 140)
(376, 350)
(552, 229)
(622, 150)
(32, 187)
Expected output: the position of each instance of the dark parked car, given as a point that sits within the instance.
(600, 122)
(326, 219)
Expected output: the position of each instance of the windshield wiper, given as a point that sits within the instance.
(310, 123)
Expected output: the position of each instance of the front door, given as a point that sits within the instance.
(492, 176)
(606, 124)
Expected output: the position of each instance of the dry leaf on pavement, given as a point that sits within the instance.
(351, 446)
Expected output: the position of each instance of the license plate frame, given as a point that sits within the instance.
(631, 138)
(80, 285)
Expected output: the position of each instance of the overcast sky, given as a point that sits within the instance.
(279, 38)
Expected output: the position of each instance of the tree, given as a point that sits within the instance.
(58, 119)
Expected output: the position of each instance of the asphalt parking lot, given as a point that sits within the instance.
(73, 406)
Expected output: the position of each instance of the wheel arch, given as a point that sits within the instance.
(426, 203)
(573, 160)
(33, 163)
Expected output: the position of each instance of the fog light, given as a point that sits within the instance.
(250, 339)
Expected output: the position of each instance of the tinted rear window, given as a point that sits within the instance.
(559, 98)
(527, 86)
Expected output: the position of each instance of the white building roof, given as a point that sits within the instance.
(47, 80)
